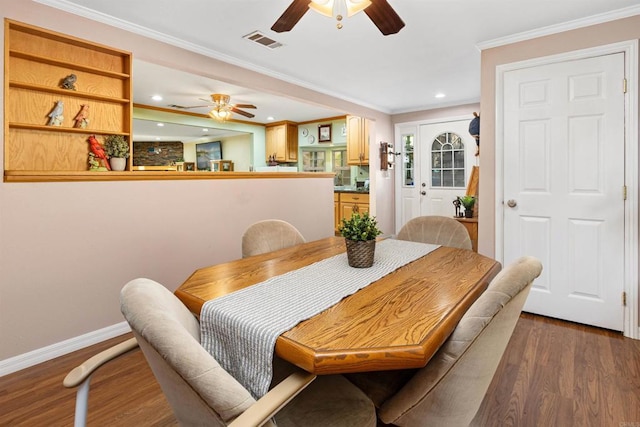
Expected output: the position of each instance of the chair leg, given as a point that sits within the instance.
(82, 403)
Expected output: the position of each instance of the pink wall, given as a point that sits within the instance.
(66, 249)
(596, 35)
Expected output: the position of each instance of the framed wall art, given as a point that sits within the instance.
(324, 133)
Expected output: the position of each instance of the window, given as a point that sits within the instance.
(407, 160)
(313, 161)
(447, 161)
(341, 167)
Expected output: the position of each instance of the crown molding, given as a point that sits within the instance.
(562, 27)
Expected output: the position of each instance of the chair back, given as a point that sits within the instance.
(449, 390)
(437, 230)
(198, 389)
(269, 235)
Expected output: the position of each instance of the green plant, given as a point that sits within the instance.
(467, 201)
(116, 146)
(359, 227)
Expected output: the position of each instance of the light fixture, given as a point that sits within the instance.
(387, 156)
(157, 97)
(337, 8)
(222, 109)
(440, 95)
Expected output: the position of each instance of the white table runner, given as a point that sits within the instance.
(240, 329)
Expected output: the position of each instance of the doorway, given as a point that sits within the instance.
(565, 169)
(434, 168)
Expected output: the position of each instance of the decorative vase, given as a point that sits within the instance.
(468, 213)
(360, 253)
(118, 163)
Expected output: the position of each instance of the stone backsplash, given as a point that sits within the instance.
(157, 153)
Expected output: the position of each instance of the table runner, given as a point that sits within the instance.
(240, 329)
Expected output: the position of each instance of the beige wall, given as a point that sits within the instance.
(597, 35)
(66, 249)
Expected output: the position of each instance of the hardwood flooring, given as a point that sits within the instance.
(553, 373)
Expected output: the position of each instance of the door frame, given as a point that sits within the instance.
(631, 328)
(399, 129)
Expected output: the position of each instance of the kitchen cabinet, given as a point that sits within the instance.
(336, 212)
(357, 140)
(38, 68)
(282, 142)
(353, 202)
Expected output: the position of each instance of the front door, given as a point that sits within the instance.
(564, 185)
(446, 157)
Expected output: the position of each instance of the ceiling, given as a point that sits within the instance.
(437, 51)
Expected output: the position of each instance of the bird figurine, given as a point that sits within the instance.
(98, 151)
(55, 116)
(81, 119)
(69, 82)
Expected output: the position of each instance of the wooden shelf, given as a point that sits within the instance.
(70, 176)
(66, 92)
(77, 67)
(65, 129)
(36, 62)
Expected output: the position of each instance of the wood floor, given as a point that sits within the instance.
(553, 373)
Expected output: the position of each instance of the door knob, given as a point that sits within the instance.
(512, 203)
(424, 193)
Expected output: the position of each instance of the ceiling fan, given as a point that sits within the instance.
(222, 107)
(379, 11)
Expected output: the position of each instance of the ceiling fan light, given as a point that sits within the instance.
(355, 6)
(324, 7)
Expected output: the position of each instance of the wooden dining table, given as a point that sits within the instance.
(396, 322)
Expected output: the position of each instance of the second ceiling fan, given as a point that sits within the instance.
(221, 107)
(379, 11)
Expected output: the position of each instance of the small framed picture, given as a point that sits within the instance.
(324, 133)
(189, 166)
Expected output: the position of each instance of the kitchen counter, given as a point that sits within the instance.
(349, 190)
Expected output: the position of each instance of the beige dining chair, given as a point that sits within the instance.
(449, 390)
(269, 235)
(201, 392)
(437, 230)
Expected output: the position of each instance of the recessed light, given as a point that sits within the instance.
(156, 98)
(205, 130)
(270, 118)
(160, 124)
(440, 95)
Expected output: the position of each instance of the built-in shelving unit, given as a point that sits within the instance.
(37, 60)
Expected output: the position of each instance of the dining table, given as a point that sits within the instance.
(396, 322)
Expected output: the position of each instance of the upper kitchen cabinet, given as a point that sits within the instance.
(282, 142)
(357, 140)
(50, 80)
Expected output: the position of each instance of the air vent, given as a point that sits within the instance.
(262, 40)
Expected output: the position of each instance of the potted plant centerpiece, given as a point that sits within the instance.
(360, 232)
(117, 149)
(468, 202)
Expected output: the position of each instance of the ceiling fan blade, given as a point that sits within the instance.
(384, 17)
(244, 106)
(291, 16)
(242, 113)
(182, 107)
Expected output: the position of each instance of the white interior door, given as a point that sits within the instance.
(563, 185)
(435, 190)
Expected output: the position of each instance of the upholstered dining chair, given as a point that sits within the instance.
(269, 235)
(449, 390)
(438, 230)
(201, 392)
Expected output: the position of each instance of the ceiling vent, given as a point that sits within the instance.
(262, 40)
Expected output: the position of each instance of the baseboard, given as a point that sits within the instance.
(26, 360)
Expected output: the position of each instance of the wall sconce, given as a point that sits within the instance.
(387, 156)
